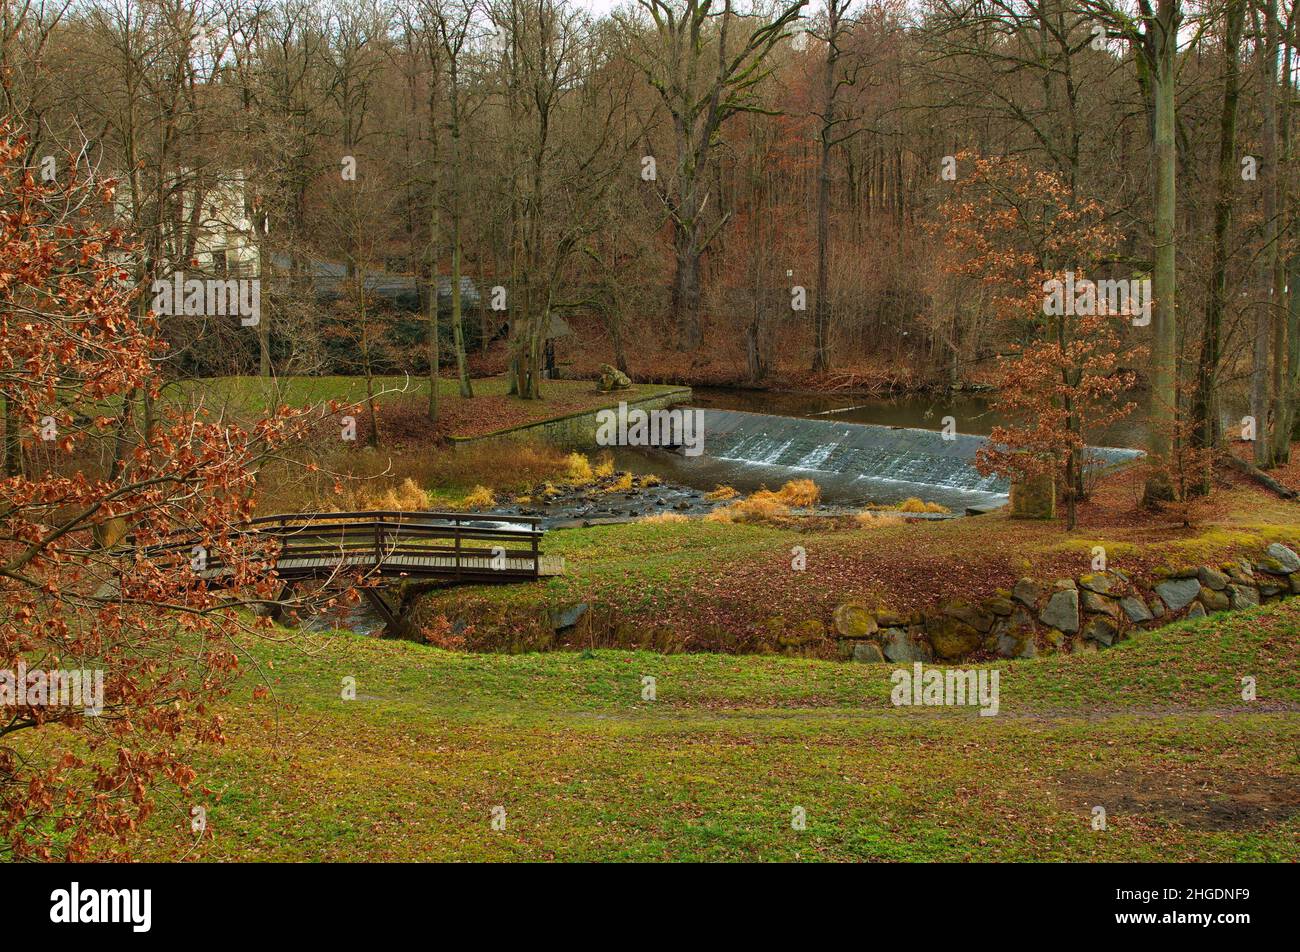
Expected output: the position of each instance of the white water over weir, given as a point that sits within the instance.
(863, 461)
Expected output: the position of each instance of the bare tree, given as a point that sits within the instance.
(700, 98)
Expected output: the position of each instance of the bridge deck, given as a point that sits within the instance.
(392, 544)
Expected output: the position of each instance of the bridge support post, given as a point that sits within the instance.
(274, 610)
(395, 626)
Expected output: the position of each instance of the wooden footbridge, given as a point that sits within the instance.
(392, 545)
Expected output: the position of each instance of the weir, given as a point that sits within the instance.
(858, 461)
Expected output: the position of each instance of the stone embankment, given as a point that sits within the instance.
(1087, 613)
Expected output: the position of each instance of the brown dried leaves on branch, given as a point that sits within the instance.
(88, 469)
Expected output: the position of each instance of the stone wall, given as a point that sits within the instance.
(1087, 613)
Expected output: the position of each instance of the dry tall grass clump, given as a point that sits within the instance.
(870, 519)
(659, 517)
(407, 497)
(800, 493)
(722, 492)
(622, 484)
(762, 506)
(604, 465)
(480, 497)
(916, 505)
(578, 469)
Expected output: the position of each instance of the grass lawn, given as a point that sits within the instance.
(1154, 730)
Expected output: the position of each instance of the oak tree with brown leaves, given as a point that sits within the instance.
(106, 530)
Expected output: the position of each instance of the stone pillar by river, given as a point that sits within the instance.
(1034, 498)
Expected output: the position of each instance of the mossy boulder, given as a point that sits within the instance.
(1062, 611)
(998, 605)
(1100, 629)
(967, 613)
(1027, 592)
(1271, 566)
(890, 619)
(1100, 604)
(1177, 593)
(952, 638)
(867, 651)
(1136, 609)
(853, 620)
(1243, 596)
(1284, 557)
(1212, 578)
(1214, 601)
(906, 645)
(1099, 582)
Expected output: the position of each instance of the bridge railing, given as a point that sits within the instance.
(442, 544)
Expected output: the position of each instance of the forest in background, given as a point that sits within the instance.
(767, 194)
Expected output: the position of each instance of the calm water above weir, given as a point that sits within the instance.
(920, 411)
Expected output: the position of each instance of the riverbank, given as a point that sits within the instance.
(403, 403)
(773, 586)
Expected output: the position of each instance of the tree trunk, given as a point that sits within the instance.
(457, 329)
(1284, 293)
(435, 358)
(1164, 324)
(1205, 409)
(686, 290)
(822, 306)
(1270, 320)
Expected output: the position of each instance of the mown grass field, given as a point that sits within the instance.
(1155, 730)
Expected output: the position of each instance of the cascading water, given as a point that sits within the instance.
(853, 463)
